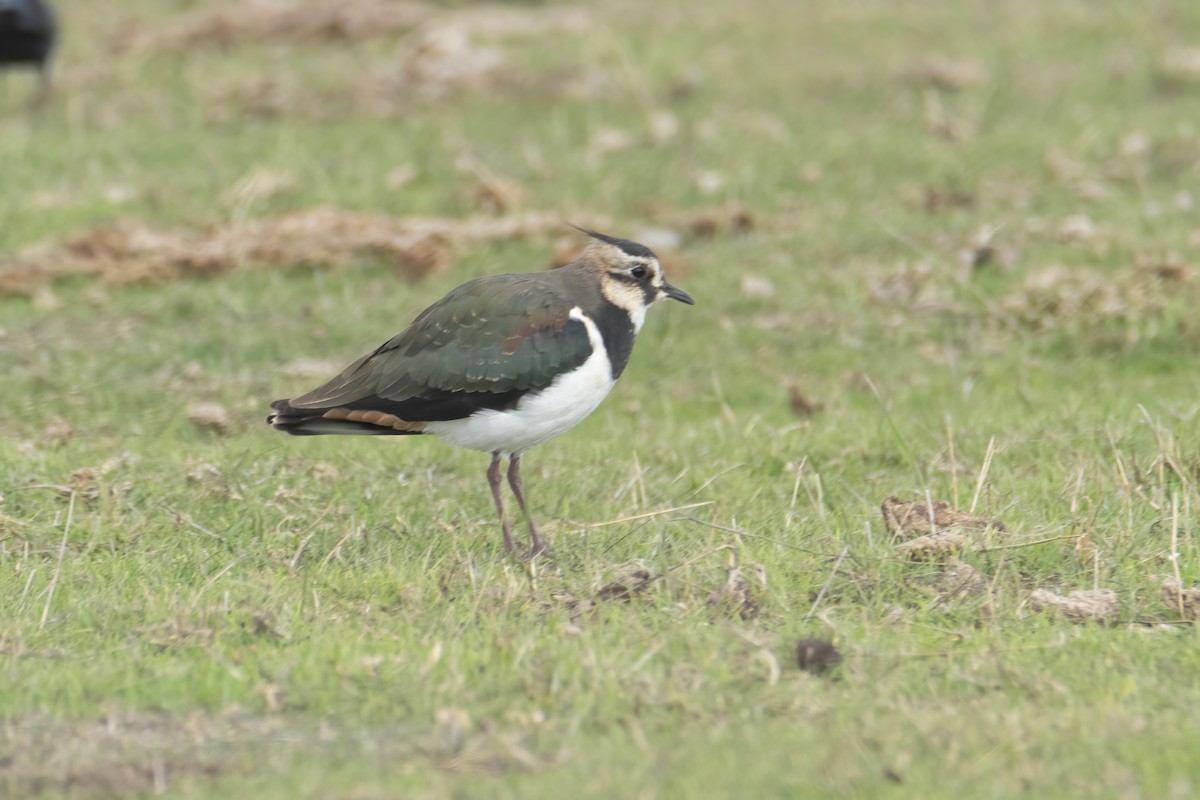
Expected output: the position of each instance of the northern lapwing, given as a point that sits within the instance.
(501, 364)
(28, 31)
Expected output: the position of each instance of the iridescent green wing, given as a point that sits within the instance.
(482, 346)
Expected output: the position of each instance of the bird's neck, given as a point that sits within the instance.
(618, 328)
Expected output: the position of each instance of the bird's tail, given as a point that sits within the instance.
(337, 421)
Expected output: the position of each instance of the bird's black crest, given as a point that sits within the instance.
(628, 247)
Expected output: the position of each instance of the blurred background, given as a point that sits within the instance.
(940, 251)
(939, 167)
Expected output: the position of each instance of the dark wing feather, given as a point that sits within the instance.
(484, 345)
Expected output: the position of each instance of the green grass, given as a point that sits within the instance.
(252, 615)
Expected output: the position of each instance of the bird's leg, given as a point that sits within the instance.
(493, 475)
(43, 94)
(514, 481)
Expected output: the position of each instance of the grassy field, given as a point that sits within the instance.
(939, 251)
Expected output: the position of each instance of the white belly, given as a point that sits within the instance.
(537, 418)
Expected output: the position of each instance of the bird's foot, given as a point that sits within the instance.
(537, 549)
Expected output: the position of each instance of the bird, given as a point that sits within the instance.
(501, 364)
(28, 30)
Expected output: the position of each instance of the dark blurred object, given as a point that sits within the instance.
(27, 33)
(817, 656)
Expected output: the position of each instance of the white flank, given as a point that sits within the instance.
(538, 417)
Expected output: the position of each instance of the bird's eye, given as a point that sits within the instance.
(638, 272)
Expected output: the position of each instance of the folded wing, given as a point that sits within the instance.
(483, 346)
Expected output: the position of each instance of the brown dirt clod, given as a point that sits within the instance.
(1056, 296)
(951, 74)
(800, 404)
(210, 416)
(58, 431)
(708, 223)
(1184, 601)
(1180, 65)
(85, 481)
(942, 199)
(960, 579)
(817, 656)
(625, 587)
(733, 598)
(907, 520)
(131, 252)
(933, 546)
(1085, 605)
(496, 195)
(305, 21)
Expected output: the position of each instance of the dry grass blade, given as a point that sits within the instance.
(983, 473)
(647, 515)
(825, 586)
(62, 551)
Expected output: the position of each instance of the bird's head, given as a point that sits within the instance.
(631, 276)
